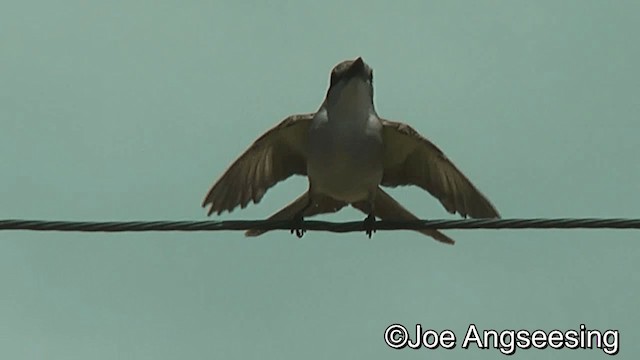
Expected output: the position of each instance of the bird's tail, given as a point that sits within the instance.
(387, 208)
(321, 204)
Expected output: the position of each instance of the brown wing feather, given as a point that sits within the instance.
(410, 159)
(273, 157)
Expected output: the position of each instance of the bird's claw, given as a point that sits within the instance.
(298, 226)
(370, 225)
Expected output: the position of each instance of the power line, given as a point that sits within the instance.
(340, 227)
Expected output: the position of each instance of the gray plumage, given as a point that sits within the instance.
(347, 152)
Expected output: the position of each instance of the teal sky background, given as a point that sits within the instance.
(130, 110)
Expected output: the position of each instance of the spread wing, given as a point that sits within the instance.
(410, 159)
(273, 157)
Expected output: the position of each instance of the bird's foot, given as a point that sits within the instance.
(298, 226)
(370, 225)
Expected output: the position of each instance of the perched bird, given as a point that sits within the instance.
(347, 152)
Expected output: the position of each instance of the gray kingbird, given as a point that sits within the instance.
(347, 152)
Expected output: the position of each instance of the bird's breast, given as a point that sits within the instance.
(345, 160)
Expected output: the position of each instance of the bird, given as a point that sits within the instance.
(348, 153)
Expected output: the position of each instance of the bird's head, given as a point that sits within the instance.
(351, 84)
